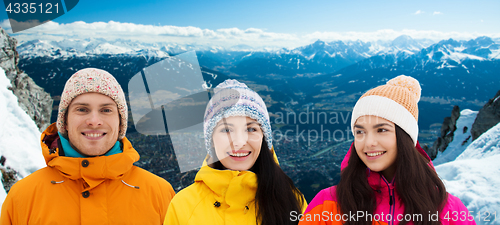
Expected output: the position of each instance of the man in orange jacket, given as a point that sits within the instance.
(90, 177)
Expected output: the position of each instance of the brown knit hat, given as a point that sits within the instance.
(395, 101)
(92, 80)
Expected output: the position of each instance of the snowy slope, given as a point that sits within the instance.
(486, 145)
(460, 139)
(19, 136)
(474, 176)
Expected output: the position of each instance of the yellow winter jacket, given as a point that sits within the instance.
(216, 197)
(97, 190)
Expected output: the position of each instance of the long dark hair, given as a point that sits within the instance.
(419, 188)
(276, 195)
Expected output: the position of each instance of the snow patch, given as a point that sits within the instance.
(486, 145)
(495, 54)
(460, 139)
(19, 135)
(459, 57)
(473, 176)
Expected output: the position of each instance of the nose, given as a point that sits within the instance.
(239, 139)
(94, 119)
(371, 140)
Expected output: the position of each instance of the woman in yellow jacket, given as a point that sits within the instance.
(240, 181)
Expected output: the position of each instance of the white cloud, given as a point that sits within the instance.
(153, 33)
(419, 12)
(5, 24)
(437, 13)
(225, 37)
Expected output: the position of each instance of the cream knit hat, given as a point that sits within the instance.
(395, 101)
(92, 80)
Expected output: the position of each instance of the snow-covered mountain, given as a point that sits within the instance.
(451, 53)
(19, 136)
(328, 74)
(91, 47)
(317, 58)
(473, 177)
(317, 50)
(353, 49)
(457, 66)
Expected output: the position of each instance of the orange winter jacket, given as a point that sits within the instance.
(97, 190)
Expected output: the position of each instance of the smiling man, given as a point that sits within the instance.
(90, 177)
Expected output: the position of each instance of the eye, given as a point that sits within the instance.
(251, 129)
(224, 130)
(359, 132)
(107, 110)
(81, 109)
(381, 130)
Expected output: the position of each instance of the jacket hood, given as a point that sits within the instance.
(94, 170)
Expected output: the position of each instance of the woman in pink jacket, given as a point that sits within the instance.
(386, 177)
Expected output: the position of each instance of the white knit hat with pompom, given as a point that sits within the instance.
(395, 101)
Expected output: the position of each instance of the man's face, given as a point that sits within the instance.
(93, 124)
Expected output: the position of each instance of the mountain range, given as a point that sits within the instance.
(321, 77)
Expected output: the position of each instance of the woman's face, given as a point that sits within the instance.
(375, 143)
(237, 142)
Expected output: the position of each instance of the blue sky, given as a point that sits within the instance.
(299, 18)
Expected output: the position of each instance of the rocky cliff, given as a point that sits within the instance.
(33, 99)
(487, 117)
(446, 137)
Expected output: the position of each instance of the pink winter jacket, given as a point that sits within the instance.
(323, 209)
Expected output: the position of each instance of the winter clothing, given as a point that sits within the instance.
(388, 203)
(232, 98)
(395, 101)
(87, 81)
(94, 190)
(216, 197)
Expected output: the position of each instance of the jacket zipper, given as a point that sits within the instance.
(392, 207)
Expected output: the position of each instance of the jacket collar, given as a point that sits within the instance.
(98, 169)
(219, 180)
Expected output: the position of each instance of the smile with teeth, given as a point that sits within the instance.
(93, 135)
(372, 154)
(239, 154)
